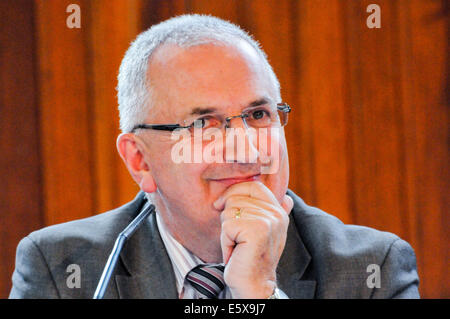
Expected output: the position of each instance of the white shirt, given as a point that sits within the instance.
(182, 262)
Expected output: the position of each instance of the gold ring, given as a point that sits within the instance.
(237, 215)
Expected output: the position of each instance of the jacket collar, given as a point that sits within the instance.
(294, 261)
(146, 267)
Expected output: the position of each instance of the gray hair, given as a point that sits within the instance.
(133, 91)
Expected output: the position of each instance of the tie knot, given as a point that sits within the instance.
(207, 279)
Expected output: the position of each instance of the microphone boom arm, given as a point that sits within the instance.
(114, 256)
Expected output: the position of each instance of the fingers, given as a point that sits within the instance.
(257, 226)
(262, 222)
(249, 230)
(256, 190)
(250, 189)
(250, 206)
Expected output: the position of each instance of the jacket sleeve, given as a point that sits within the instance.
(32, 277)
(399, 277)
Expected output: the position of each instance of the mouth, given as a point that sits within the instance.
(228, 181)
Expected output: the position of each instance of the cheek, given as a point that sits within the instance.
(276, 169)
(173, 165)
(272, 150)
(171, 175)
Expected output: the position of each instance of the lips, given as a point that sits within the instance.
(237, 179)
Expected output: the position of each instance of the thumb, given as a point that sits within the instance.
(227, 245)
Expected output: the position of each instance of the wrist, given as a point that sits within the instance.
(263, 291)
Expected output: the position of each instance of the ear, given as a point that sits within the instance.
(131, 151)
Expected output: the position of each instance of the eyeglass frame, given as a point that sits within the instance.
(284, 107)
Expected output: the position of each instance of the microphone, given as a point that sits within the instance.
(114, 256)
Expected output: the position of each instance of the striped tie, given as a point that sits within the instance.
(207, 280)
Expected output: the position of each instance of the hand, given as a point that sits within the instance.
(252, 244)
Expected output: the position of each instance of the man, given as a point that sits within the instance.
(225, 226)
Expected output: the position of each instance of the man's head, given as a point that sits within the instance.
(134, 85)
(176, 71)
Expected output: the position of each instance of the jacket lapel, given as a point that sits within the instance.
(148, 271)
(294, 262)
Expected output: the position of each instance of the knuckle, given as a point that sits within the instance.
(264, 225)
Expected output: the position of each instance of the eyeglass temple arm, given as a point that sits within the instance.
(159, 127)
(284, 107)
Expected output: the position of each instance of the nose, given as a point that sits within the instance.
(240, 141)
(236, 120)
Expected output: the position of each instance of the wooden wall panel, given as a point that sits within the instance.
(425, 92)
(155, 11)
(20, 183)
(228, 10)
(376, 135)
(113, 25)
(322, 106)
(367, 138)
(65, 113)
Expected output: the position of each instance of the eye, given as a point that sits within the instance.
(206, 122)
(260, 114)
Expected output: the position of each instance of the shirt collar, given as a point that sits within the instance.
(182, 259)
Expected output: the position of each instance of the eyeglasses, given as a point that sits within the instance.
(258, 117)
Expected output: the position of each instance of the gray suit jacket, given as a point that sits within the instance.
(323, 258)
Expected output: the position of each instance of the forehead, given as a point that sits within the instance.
(222, 76)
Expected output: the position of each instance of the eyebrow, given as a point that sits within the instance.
(258, 102)
(203, 110)
(208, 110)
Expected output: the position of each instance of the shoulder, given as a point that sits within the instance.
(323, 233)
(345, 255)
(96, 230)
(43, 257)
